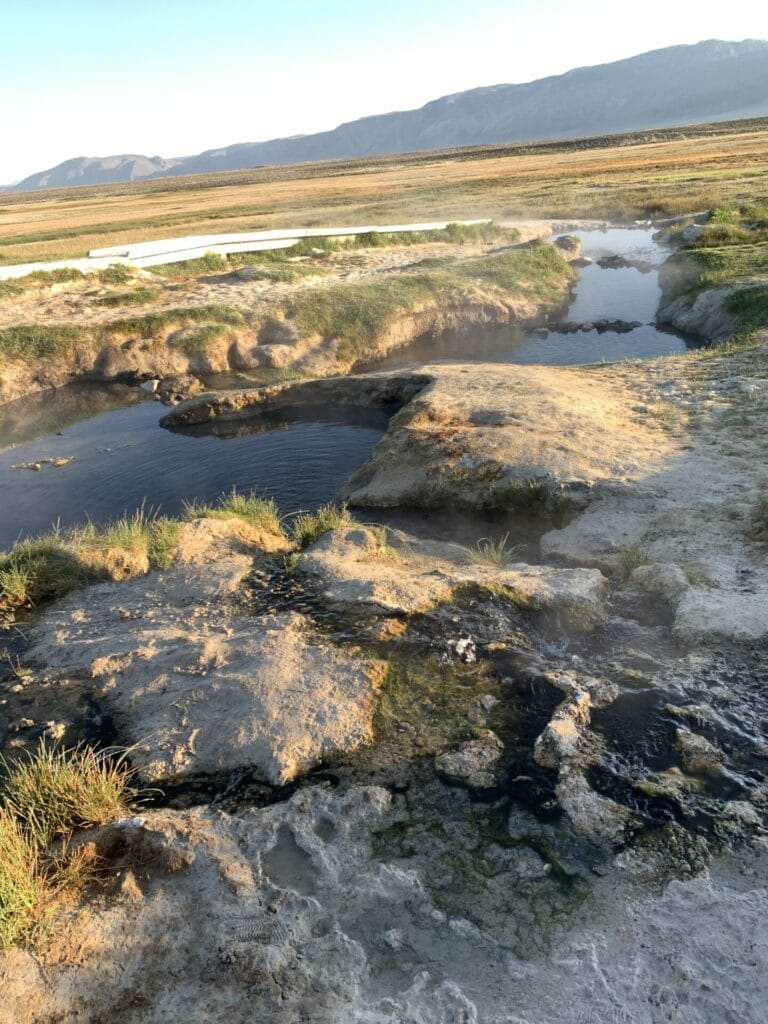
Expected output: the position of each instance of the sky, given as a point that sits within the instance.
(174, 77)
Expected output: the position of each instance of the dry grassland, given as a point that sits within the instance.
(589, 178)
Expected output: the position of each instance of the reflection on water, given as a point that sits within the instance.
(627, 293)
(52, 410)
(122, 459)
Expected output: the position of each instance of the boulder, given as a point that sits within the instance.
(706, 615)
(664, 579)
(178, 388)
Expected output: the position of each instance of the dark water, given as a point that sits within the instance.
(123, 459)
(629, 294)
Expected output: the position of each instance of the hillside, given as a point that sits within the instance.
(709, 81)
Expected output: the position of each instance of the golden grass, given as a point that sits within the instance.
(608, 180)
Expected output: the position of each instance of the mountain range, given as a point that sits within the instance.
(678, 85)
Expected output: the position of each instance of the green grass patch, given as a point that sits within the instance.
(717, 234)
(138, 297)
(210, 263)
(47, 795)
(197, 340)
(45, 568)
(259, 512)
(310, 526)
(750, 307)
(703, 268)
(39, 279)
(152, 324)
(356, 314)
(116, 274)
(33, 341)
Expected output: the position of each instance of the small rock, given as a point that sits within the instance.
(487, 701)
(178, 388)
(23, 723)
(475, 717)
(473, 763)
(697, 754)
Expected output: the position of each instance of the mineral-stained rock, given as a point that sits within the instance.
(354, 567)
(178, 388)
(591, 815)
(200, 688)
(473, 763)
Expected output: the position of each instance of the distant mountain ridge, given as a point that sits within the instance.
(678, 85)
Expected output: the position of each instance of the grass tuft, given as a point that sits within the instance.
(53, 791)
(138, 297)
(118, 273)
(310, 526)
(631, 557)
(163, 541)
(44, 568)
(500, 552)
(47, 795)
(256, 511)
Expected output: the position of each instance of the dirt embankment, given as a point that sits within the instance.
(265, 318)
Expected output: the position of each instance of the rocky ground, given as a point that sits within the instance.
(407, 780)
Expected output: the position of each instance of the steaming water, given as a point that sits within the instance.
(122, 459)
(627, 293)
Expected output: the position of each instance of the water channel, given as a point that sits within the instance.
(121, 460)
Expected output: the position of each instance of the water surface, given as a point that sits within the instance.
(123, 459)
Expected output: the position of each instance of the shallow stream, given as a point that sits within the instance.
(118, 458)
(603, 294)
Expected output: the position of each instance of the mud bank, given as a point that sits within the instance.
(322, 325)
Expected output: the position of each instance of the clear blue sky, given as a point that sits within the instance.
(171, 77)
